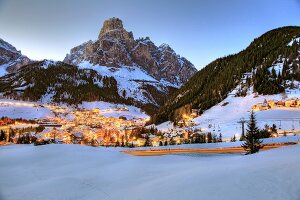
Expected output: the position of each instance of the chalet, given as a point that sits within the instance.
(271, 103)
(141, 142)
(155, 141)
(259, 107)
(190, 123)
(76, 138)
(178, 139)
(298, 103)
(280, 104)
(289, 102)
(180, 123)
(195, 112)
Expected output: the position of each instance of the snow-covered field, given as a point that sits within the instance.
(22, 109)
(81, 172)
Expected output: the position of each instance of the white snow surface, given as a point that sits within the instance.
(80, 172)
(164, 127)
(295, 39)
(3, 70)
(22, 109)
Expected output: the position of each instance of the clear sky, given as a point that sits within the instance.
(199, 30)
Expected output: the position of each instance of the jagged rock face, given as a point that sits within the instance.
(116, 47)
(10, 58)
(113, 30)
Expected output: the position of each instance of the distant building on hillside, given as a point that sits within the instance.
(294, 103)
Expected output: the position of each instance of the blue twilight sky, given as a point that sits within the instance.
(199, 30)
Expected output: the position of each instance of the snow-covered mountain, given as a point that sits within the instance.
(115, 68)
(116, 47)
(57, 82)
(133, 82)
(10, 58)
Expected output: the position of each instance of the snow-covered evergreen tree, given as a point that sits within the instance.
(252, 142)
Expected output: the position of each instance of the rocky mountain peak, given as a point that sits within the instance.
(117, 47)
(5, 45)
(111, 24)
(113, 29)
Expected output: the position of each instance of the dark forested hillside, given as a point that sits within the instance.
(58, 82)
(212, 84)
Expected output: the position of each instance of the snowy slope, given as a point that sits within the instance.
(225, 118)
(131, 79)
(80, 172)
(22, 109)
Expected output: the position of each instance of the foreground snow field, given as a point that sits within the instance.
(82, 172)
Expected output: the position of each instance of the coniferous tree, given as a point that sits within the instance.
(233, 139)
(214, 138)
(242, 138)
(209, 137)
(2, 135)
(274, 128)
(252, 142)
(220, 138)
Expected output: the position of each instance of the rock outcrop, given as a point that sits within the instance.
(10, 58)
(116, 47)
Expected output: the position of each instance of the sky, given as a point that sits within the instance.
(198, 30)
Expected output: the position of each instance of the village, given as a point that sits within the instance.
(95, 128)
(90, 127)
(270, 104)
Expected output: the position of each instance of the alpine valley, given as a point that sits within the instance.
(125, 117)
(117, 68)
